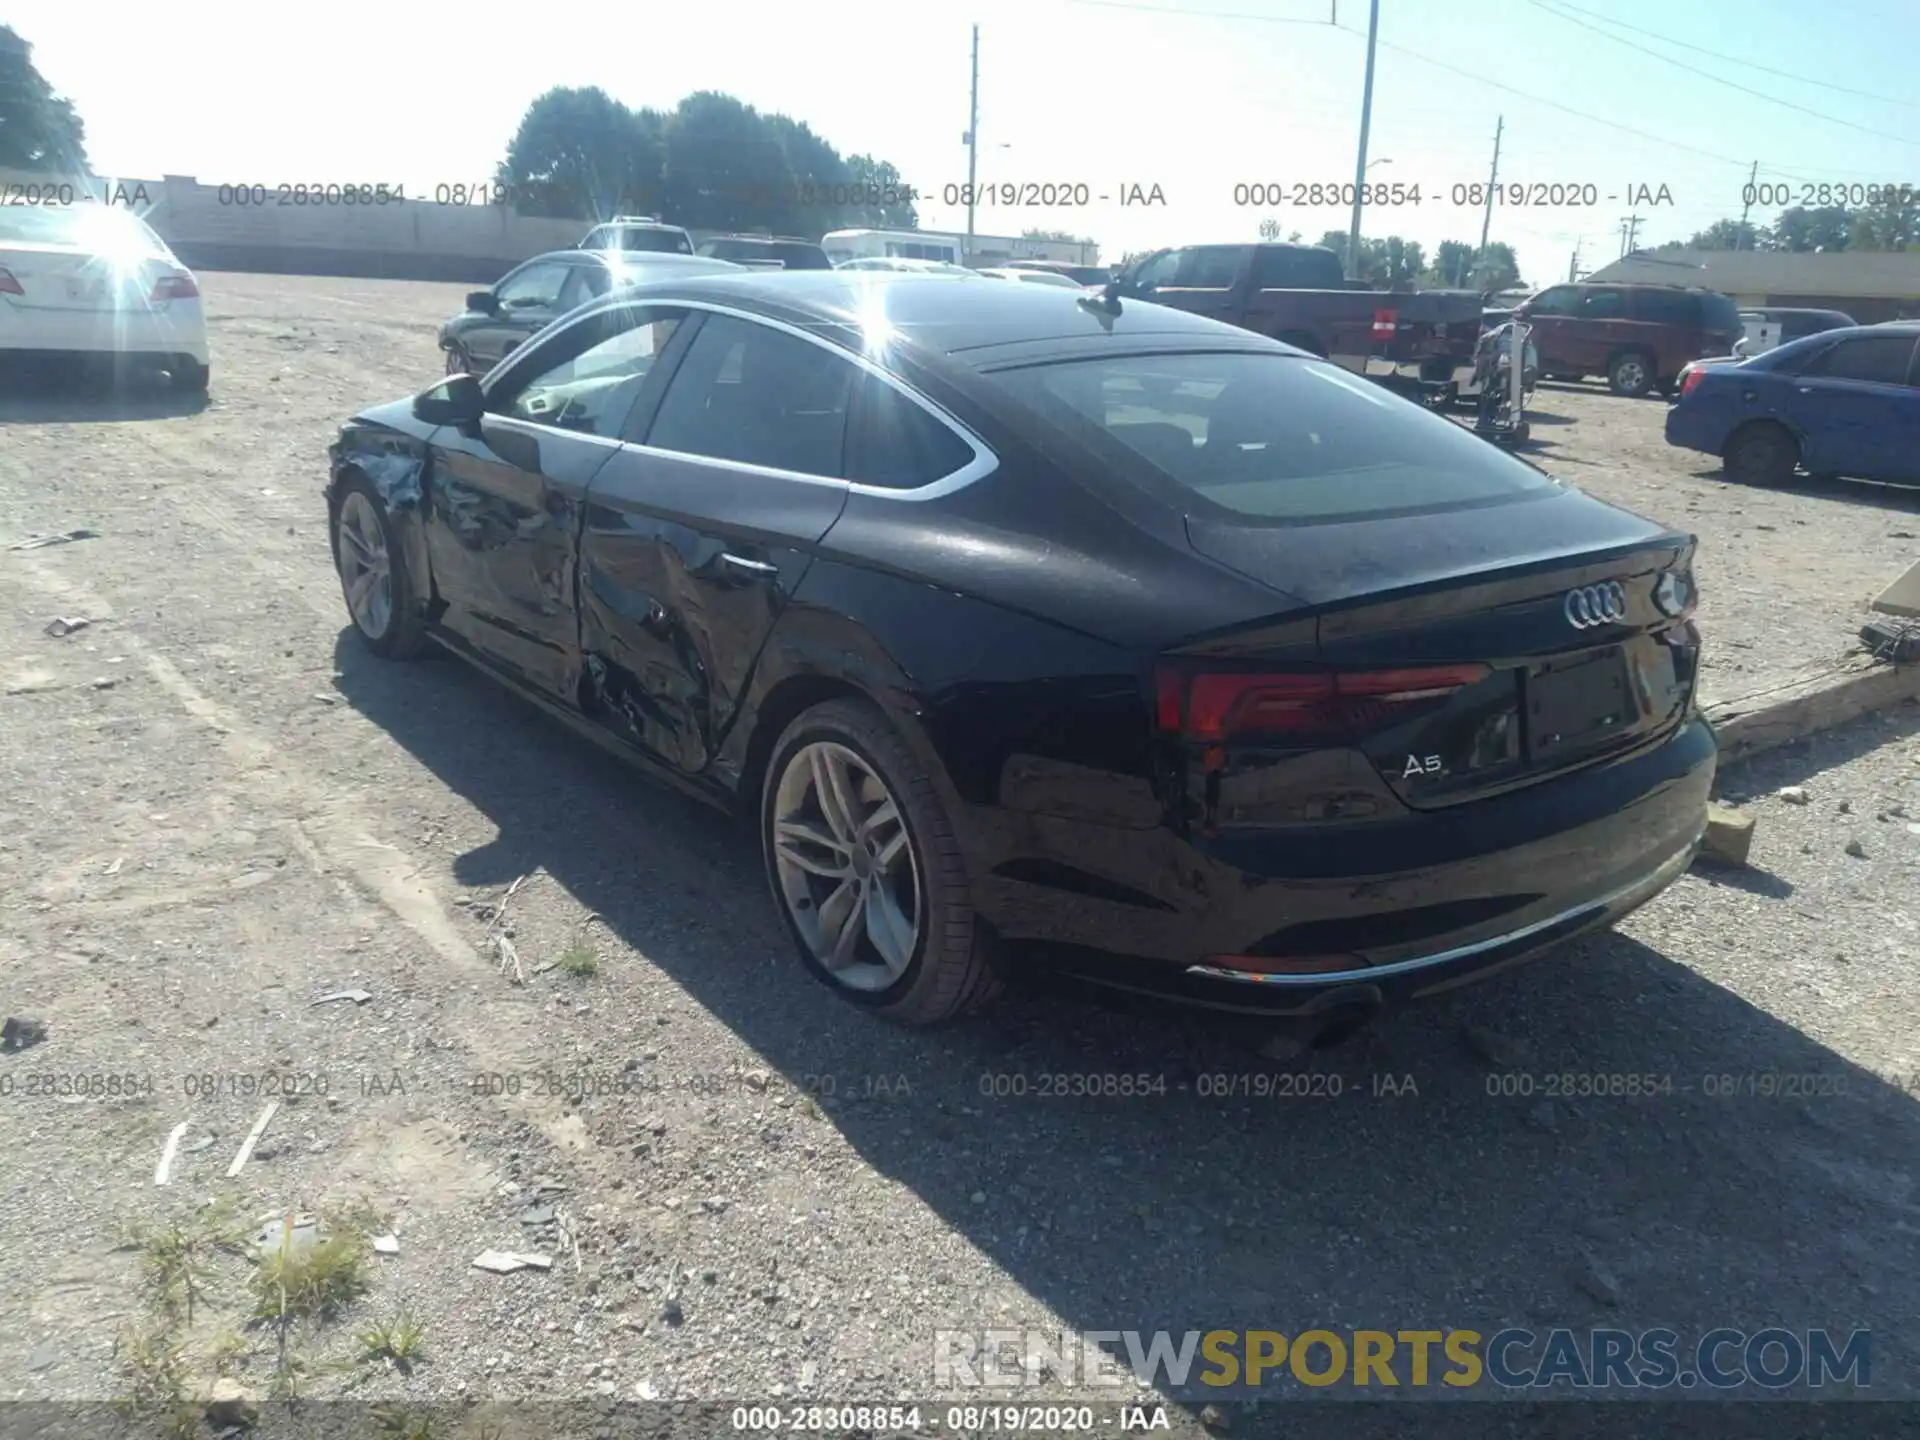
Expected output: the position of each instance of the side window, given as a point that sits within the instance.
(758, 396)
(1603, 305)
(586, 282)
(538, 284)
(598, 238)
(1562, 300)
(1277, 267)
(588, 376)
(1161, 269)
(1883, 359)
(896, 443)
(1664, 307)
(1210, 267)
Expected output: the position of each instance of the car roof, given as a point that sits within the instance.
(637, 259)
(987, 324)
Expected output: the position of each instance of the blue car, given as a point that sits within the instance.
(1843, 402)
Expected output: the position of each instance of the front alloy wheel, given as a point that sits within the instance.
(373, 574)
(846, 868)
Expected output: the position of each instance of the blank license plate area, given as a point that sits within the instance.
(87, 289)
(1571, 701)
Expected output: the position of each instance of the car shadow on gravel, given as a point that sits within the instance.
(69, 395)
(1870, 493)
(1603, 1138)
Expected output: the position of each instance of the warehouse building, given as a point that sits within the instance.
(1869, 285)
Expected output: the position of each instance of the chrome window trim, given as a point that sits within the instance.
(984, 461)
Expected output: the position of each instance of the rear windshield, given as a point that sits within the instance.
(1272, 437)
(671, 242)
(1717, 312)
(100, 227)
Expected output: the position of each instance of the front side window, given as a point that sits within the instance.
(1561, 300)
(1271, 437)
(758, 396)
(537, 284)
(588, 376)
(1881, 359)
(1161, 269)
(1211, 267)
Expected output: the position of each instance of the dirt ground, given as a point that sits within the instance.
(216, 809)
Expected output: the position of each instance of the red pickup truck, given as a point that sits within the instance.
(1420, 342)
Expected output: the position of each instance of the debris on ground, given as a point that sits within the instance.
(40, 542)
(20, 1031)
(164, 1170)
(509, 960)
(1596, 1281)
(253, 1139)
(1214, 1418)
(1793, 794)
(358, 997)
(287, 1233)
(228, 1407)
(194, 1147)
(61, 626)
(1856, 849)
(386, 1245)
(1729, 837)
(1494, 1049)
(505, 1262)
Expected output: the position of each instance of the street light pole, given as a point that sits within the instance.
(1366, 122)
(973, 140)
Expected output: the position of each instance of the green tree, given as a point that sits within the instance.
(1066, 236)
(1725, 235)
(39, 130)
(1827, 227)
(818, 202)
(1382, 263)
(1452, 265)
(1891, 224)
(725, 169)
(1497, 269)
(582, 155)
(886, 202)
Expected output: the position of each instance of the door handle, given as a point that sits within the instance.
(758, 568)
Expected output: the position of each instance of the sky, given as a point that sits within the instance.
(1197, 97)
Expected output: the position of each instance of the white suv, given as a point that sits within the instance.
(638, 232)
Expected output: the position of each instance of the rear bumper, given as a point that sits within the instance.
(1418, 904)
(1689, 429)
(178, 329)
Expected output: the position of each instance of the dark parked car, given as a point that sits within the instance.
(768, 251)
(1421, 342)
(1129, 643)
(1638, 336)
(1841, 402)
(534, 294)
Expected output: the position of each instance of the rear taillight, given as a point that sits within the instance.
(1692, 380)
(9, 285)
(1323, 705)
(174, 287)
(1385, 322)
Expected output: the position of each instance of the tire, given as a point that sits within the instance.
(936, 963)
(362, 536)
(459, 360)
(1630, 375)
(1761, 453)
(190, 375)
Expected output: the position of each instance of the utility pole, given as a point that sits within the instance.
(1745, 206)
(1493, 179)
(1573, 265)
(1629, 232)
(973, 141)
(1360, 165)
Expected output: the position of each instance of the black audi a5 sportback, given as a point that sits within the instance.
(1032, 627)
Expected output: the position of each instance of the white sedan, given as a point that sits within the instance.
(93, 280)
(1036, 277)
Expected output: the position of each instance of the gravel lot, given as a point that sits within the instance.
(215, 809)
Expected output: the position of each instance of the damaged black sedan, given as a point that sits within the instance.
(1036, 628)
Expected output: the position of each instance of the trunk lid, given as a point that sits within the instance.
(73, 279)
(1550, 602)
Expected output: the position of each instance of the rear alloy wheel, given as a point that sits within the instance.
(1761, 454)
(864, 864)
(373, 575)
(1630, 375)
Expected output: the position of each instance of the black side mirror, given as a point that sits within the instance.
(484, 301)
(457, 400)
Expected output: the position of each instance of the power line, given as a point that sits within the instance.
(1747, 64)
(1551, 104)
(1731, 85)
(1204, 14)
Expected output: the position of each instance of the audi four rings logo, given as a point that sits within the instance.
(1593, 605)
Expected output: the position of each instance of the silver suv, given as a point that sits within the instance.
(643, 233)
